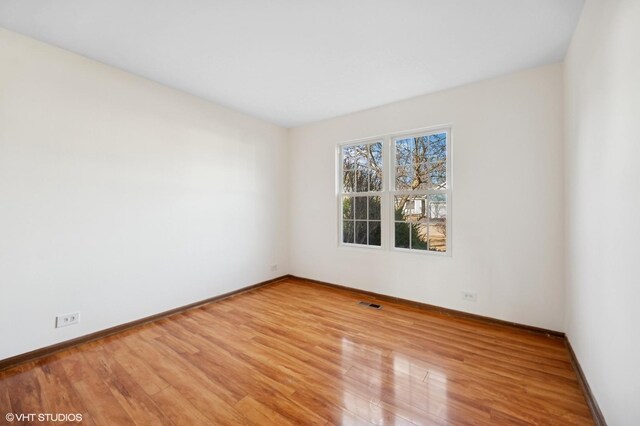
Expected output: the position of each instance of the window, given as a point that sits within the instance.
(406, 175)
(361, 191)
(420, 192)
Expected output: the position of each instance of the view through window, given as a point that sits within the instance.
(420, 196)
(406, 176)
(361, 191)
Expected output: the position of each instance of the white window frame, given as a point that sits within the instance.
(393, 192)
(381, 193)
(388, 192)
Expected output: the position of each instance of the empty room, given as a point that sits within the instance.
(357, 212)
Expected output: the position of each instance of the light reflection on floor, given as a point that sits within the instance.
(367, 409)
(383, 381)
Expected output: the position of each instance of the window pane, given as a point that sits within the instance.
(438, 236)
(421, 162)
(353, 156)
(375, 180)
(375, 152)
(437, 148)
(374, 208)
(362, 155)
(361, 208)
(438, 175)
(361, 232)
(437, 206)
(410, 208)
(375, 167)
(418, 215)
(349, 158)
(419, 208)
(349, 181)
(402, 235)
(348, 231)
(438, 222)
(374, 233)
(362, 167)
(420, 155)
(404, 177)
(398, 206)
(405, 149)
(347, 208)
(422, 178)
(362, 179)
(419, 236)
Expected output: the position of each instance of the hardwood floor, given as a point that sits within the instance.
(294, 352)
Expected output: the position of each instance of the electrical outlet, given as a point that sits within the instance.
(274, 268)
(469, 296)
(68, 319)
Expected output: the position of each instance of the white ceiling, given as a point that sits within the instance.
(297, 61)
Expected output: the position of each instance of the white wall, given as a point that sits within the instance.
(121, 198)
(507, 152)
(603, 203)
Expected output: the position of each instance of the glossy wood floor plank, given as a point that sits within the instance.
(295, 352)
